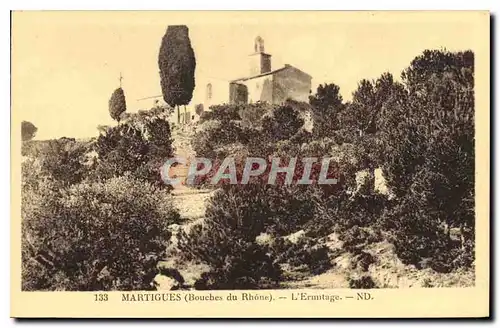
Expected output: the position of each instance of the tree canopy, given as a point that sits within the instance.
(117, 104)
(177, 65)
(28, 130)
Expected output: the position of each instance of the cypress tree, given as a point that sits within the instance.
(177, 65)
(117, 104)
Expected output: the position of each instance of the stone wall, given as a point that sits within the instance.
(238, 93)
(260, 89)
(291, 83)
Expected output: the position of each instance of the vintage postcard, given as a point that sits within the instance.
(250, 164)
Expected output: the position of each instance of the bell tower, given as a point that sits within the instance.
(260, 62)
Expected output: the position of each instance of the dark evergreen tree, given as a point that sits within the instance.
(177, 65)
(326, 106)
(428, 141)
(117, 104)
(282, 124)
(28, 130)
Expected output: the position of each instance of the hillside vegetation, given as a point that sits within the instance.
(97, 216)
(418, 232)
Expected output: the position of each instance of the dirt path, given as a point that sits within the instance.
(191, 204)
(189, 201)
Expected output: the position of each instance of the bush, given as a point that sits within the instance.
(356, 239)
(252, 114)
(363, 261)
(213, 136)
(353, 217)
(453, 257)
(199, 109)
(223, 113)
(235, 216)
(64, 160)
(140, 146)
(364, 282)
(247, 267)
(283, 123)
(236, 262)
(258, 127)
(99, 236)
(304, 253)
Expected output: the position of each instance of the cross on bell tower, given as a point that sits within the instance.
(120, 79)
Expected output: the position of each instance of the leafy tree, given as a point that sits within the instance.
(28, 130)
(177, 65)
(117, 104)
(326, 106)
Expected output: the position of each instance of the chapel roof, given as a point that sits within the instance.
(268, 73)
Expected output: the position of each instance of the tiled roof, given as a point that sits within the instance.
(267, 73)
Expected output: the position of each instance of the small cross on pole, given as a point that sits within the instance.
(121, 78)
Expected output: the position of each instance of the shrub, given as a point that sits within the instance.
(364, 282)
(236, 215)
(291, 207)
(252, 114)
(247, 267)
(99, 236)
(283, 123)
(415, 233)
(140, 146)
(62, 159)
(304, 253)
(214, 135)
(453, 256)
(363, 261)
(236, 262)
(353, 217)
(258, 127)
(226, 240)
(356, 239)
(223, 113)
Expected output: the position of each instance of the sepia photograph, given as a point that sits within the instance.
(337, 153)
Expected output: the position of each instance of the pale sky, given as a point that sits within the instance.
(66, 65)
